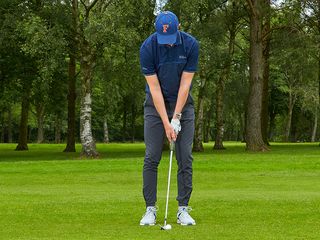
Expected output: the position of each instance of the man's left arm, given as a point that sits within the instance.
(186, 78)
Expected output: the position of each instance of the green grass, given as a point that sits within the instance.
(48, 194)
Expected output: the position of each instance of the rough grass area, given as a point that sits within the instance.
(48, 194)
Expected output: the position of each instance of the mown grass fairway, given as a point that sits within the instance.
(47, 194)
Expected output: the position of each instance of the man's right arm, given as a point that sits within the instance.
(158, 101)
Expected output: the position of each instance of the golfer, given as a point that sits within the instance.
(169, 60)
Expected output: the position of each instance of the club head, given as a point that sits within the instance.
(166, 227)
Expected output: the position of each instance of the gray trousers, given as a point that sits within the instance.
(154, 135)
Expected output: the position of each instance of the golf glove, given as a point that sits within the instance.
(175, 123)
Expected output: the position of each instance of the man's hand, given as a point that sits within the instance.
(175, 123)
(170, 132)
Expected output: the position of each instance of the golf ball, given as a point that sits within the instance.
(167, 227)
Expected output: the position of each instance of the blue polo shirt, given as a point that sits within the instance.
(168, 62)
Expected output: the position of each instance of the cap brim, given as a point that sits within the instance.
(167, 39)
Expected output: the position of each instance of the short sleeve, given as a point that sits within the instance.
(192, 59)
(147, 60)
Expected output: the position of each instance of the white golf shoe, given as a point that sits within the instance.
(183, 216)
(149, 218)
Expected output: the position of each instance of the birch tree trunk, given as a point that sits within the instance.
(254, 141)
(105, 130)
(315, 126)
(289, 117)
(87, 63)
(87, 141)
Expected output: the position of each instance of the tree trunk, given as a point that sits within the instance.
(3, 129)
(88, 58)
(23, 129)
(105, 130)
(319, 56)
(198, 136)
(71, 143)
(289, 117)
(315, 126)
(87, 141)
(124, 121)
(9, 125)
(319, 62)
(317, 11)
(218, 145)
(266, 70)
(253, 129)
(57, 130)
(219, 110)
(206, 137)
(133, 121)
(30, 134)
(244, 122)
(40, 121)
(241, 127)
(272, 125)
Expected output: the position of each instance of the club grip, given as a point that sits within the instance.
(172, 145)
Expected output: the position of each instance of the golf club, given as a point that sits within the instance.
(165, 225)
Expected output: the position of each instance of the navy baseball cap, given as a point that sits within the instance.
(167, 27)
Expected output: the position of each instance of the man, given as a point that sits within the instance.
(169, 60)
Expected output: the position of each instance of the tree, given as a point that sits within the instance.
(254, 140)
(89, 42)
(311, 14)
(73, 46)
(44, 43)
(204, 20)
(293, 58)
(266, 36)
(232, 19)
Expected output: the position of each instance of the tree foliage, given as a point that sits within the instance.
(37, 37)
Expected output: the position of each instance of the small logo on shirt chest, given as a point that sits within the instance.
(182, 57)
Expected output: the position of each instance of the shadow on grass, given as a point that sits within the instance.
(275, 148)
(54, 152)
(127, 151)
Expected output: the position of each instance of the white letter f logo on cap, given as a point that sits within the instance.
(165, 27)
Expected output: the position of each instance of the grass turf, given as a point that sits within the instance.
(48, 194)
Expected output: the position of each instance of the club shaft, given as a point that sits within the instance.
(168, 189)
